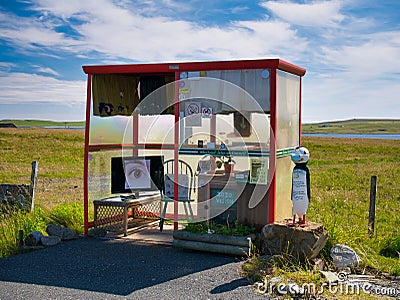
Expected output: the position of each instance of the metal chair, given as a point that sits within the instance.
(185, 188)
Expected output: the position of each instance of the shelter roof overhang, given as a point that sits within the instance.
(170, 67)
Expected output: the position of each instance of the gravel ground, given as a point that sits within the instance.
(89, 268)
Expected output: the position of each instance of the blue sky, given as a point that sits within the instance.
(350, 48)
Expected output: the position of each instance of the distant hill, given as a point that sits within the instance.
(42, 123)
(355, 126)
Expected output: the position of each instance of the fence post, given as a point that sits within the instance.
(372, 206)
(20, 238)
(33, 183)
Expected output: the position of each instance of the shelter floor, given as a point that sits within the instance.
(147, 233)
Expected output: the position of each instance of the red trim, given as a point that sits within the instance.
(135, 133)
(291, 68)
(272, 158)
(300, 111)
(176, 149)
(86, 158)
(213, 128)
(192, 66)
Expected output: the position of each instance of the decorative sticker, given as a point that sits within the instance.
(206, 112)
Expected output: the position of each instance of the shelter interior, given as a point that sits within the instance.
(232, 124)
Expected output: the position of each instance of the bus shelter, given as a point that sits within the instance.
(226, 126)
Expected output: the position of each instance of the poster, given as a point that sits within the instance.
(192, 114)
(137, 174)
(259, 170)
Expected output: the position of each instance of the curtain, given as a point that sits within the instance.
(114, 94)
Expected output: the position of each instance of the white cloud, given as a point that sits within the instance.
(46, 70)
(22, 88)
(6, 66)
(350, 62)
(316, 13)
(378, 56)
(27, 34)
(117, 32)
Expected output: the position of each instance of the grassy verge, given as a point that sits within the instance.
(341, 171)
(12, 221)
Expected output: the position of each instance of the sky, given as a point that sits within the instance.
(350, 48)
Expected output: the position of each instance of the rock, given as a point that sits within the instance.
(50, 240)
(330, 277)
(54, 230)
(33, 239)
(300, 242)
(318, 264)
(97, 232)
(62, 232)
(68, 234)
(343, 256)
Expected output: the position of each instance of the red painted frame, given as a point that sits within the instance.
(175, 68)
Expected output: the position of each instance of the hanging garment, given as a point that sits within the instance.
(114, 94)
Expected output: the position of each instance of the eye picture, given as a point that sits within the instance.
(137, 174)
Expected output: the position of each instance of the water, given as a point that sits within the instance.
(354, 136)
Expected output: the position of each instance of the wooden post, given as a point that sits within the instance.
(372, 206)
(33, 183)
(20, 238)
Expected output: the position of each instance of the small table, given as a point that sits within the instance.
(116, 209)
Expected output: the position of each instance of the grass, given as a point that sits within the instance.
(223, 229)
(12, 221)
(341, 170)
(340, 180)
(60, 157)
(59, 189)
(42, 123)
(355, 126)
(68, 215)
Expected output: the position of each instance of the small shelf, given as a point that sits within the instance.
(223, 152)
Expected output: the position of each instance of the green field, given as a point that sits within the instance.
(340, 180)
(341, 171)
(355, 126)
(42, 123)
(60, 157)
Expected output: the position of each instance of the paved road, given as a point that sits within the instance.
(89, 268)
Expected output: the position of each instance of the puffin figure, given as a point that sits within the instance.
(300, 185)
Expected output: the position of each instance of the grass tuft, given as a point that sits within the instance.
(14, 221)
(68, 215)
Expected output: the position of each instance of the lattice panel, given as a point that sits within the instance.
(148, 211)
(110, 217)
